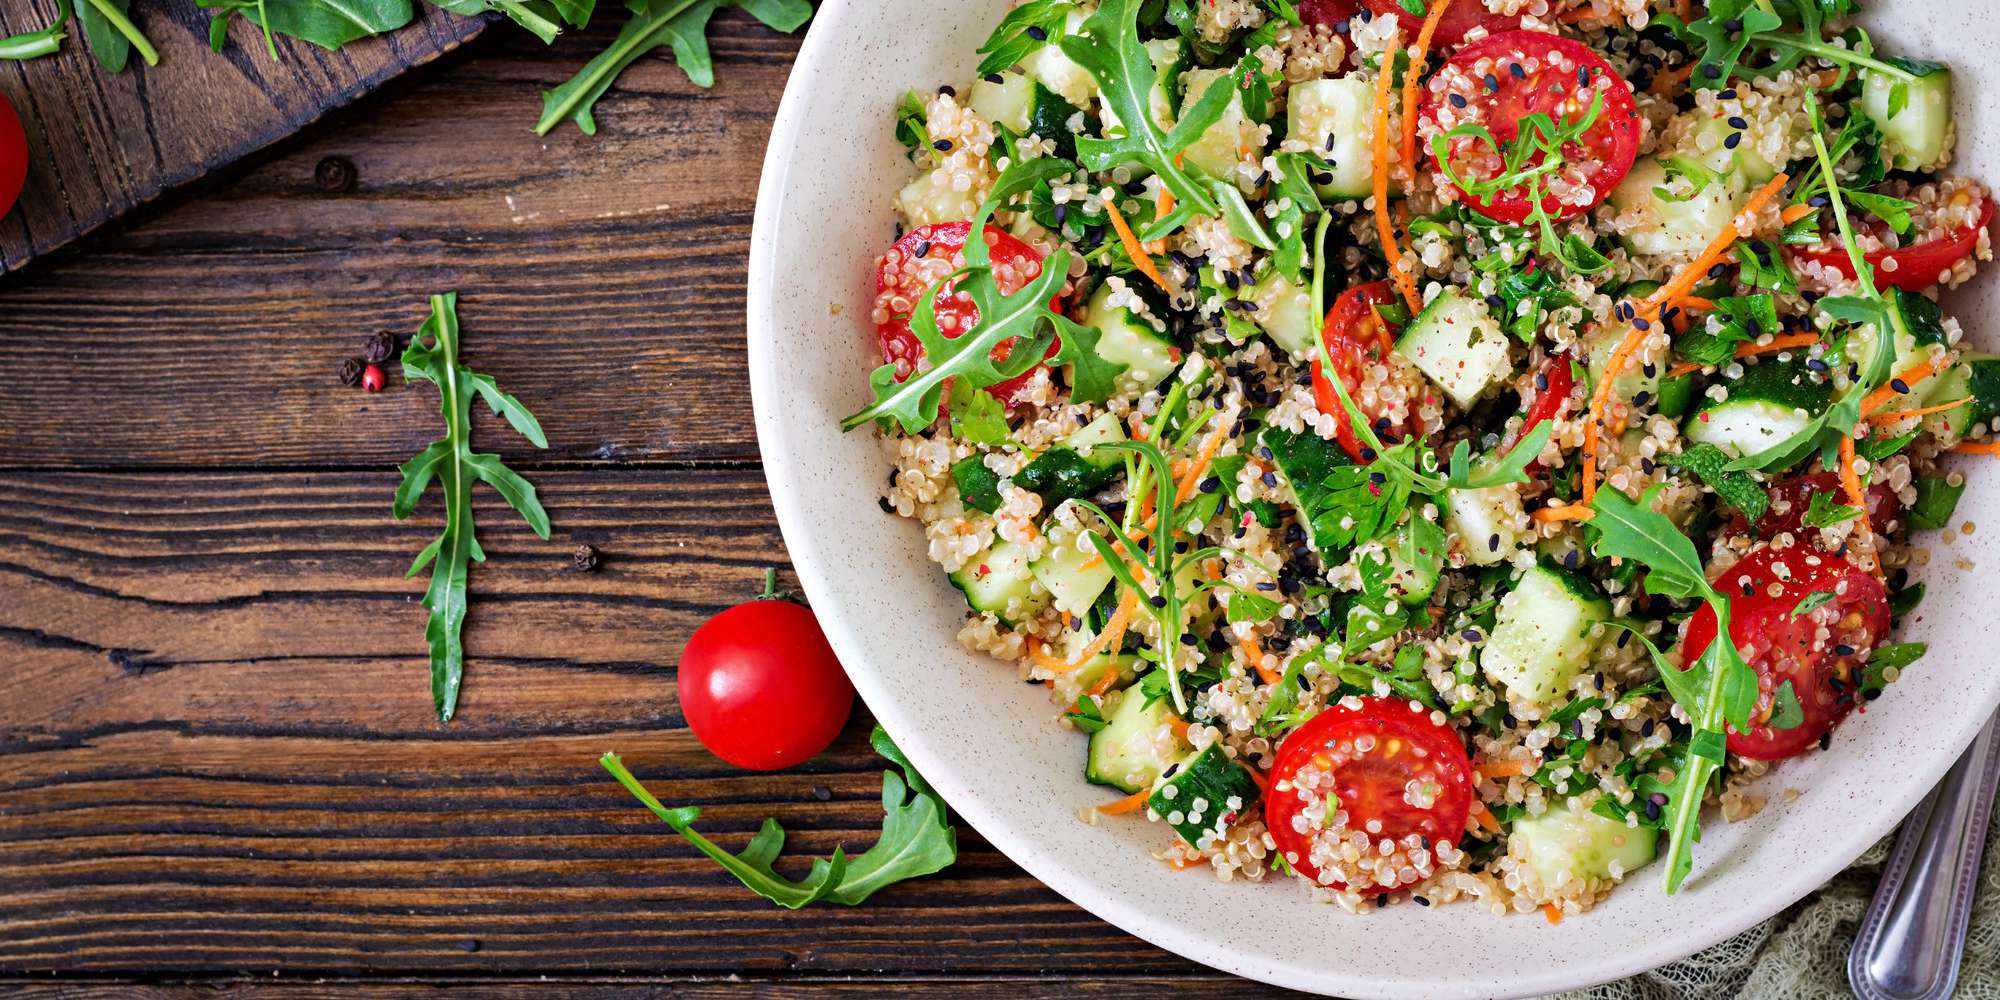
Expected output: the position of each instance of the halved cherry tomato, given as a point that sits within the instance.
(1356, 337)
(1791, 498)
(13, 156)
(1500, 80)
(1457, 19)
(926, 255)
(1818, 653)
(1327, 12)
(1917, 267)
(1552, 389)
(1393, 774)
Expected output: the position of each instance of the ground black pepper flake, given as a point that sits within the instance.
(350, 372)
(380, 347)
(335, 175)
(584, 559)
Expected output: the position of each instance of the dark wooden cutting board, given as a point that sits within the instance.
(103, 143)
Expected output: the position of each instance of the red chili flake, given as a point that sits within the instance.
(983, 570)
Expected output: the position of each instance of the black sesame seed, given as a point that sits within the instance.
(1899, 385)
(948, 91)
(1826, 739)
(1159, 602)
(1457, 100)
(1367, 454)
(924, 248)
(1541, 382)
(1582, 76)
(1733, 25)
(1571, 559)
(1642, 323)
(1264, 453)
(1492, 82)
(1211, 484)
(1652, 809)
(1844, 650)
(1420, 901)
(1736, 122)
(1471, 635)
(1493, 542)
(993, 78)
(1270, 479)
(1037, 33)
(942, 145)
(1728, 95)
(1732, 140)
(1516, 69)
(1712, 72)
(1641, 398)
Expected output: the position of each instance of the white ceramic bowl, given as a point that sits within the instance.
(987, 741)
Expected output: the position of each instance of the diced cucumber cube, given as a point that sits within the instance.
(1137, 743)
(1565, 844)
(1543, 635)
(1458, 345)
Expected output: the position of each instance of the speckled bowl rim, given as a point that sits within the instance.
(796, 405)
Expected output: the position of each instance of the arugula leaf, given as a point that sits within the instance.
(1281, 710)
(1894, 211)
(1823, 512)
(1811, 601)
(107, 26)
(328, 24)
(916, 840)
(1024, 315)
(1086, 716)
(1109, 48)
(679, 24)
(1874, 674)
(1737, 318)
(977, 416)
(911, 122)
(1786, 713)
(1025, 29)
(1937, 500)
(1248, 607)
(451, 461)
(1731, 29)
(1904, 601)
(1717, 687)
(542, 18)
(1538, 290)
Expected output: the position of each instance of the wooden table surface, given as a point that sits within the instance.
(218, 765)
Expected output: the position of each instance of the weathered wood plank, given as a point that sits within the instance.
(216, 750)
(102, 143)
(602, 278)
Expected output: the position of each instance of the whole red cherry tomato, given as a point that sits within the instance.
(1819, 653)
(759, 685)
(13, 156)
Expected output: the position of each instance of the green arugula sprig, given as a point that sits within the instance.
(681, 25)
(1527, 160)
(1717, 687)
(1024, 316)
(1024, 29)
(545, 19)
(1109, 48)
(1786, 31)
(451, 461)
(107, 26)
(917, 839)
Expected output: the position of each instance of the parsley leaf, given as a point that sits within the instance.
(1823, 512)
(1086, 716)
(1786, 713)
(1737, 489)
(1811, 601)
(1737, 318)
(1248, 607)
(451, 461)
(1874, 674)
(916, 840)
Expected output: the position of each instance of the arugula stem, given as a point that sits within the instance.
(264, 22)
(1692, 780)
(1836, 54)
(117, 19)
(1864, 274)
(33, 44)
(611, 63)
(524, 16)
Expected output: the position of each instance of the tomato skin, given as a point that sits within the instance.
(761, 688)
(1457, 20)
(955, 313)
(13, 157)
(1917, 267)
(1371, 787)
(1795, 495)
(1356, 337)
(1313, 13)
(1783, 648)
(1607, 149)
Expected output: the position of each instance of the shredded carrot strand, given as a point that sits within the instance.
(1178, 725)
(1379, 148)
(1254, 655)
(1553, 912)
(1908, 376)
(1510, 768)
(1114, 630)
(1132, 247)
(1562, 512)
(1104, 683)
(1576, 16)
(1751, 349)
(1412, 80)
(1977, 448)
(1697, 302)
(1038, 654)
(1199, 467)
(1166, 200)
(1668, 82)
(1891, 416)
(1669, 293)
(1130, 803)
(1257, 778)
(1794, 213)
(1485, 817)
(1850, 481)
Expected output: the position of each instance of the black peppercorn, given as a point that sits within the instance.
(585, 559)
(380, 347)
(350, 372)
(334, 175)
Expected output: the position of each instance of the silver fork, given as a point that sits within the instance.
(1913, 936)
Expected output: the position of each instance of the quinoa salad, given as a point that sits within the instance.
(1435, 450)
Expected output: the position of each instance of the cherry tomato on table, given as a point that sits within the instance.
(1394, 774)
(1500, 80)
(13, 156)
(1819, 653)
(1916, 267)
(927, 255)
(1357, 338)
(1794, 495)
(1453, 24)
(759, 685)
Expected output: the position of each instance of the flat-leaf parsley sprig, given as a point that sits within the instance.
(917, 839)
(451, 461)
(1024, 316)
